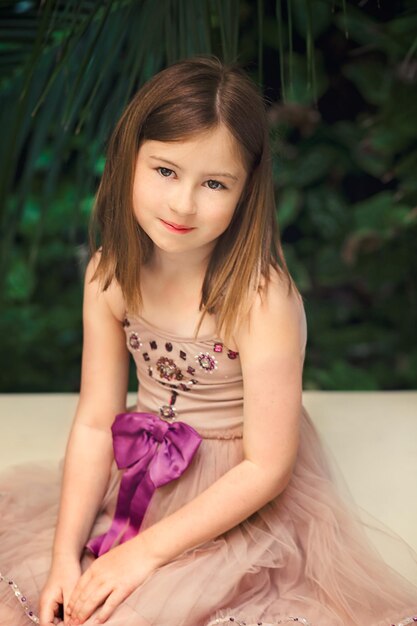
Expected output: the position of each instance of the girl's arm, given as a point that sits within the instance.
(271, 351)
(89, 452)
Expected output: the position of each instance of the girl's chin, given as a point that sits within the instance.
(190, 251)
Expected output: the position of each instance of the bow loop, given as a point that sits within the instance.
(134, 436)
(172, 453)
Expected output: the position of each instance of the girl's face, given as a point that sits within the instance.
(185, 192)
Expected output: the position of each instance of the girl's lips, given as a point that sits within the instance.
(178, 228)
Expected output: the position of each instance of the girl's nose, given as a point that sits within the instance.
(183, 201)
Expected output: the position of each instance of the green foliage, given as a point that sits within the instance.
(343, 133)
(347, 209)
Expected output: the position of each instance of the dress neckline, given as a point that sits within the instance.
(170, 335)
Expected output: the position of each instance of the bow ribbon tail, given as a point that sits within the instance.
(138, 507)
(129, 484)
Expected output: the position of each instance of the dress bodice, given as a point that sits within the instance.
(197, 381)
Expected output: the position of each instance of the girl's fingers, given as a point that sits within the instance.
(45, 617)
(47, 612)
(78, 592)
(108, 608)
(85, 605)
(66, 618)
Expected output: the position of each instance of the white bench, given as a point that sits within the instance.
(371, 435)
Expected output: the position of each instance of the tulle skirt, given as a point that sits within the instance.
(304, 557)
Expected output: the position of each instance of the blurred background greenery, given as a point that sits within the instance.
(340, 82)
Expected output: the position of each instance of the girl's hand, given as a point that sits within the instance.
(109, 580)
(63, 576)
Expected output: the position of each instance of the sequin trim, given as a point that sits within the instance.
(230, 619)
(299, 620)
(20, 598)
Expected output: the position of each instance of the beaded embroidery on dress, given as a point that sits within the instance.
(302, 558)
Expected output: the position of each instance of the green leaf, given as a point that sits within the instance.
(380, 214)
(20, 281)
(288, 206)
(321, 17)
(329, 266)
(99, 165)
(310, 167)
(31, 216)
(301, 90)
(296, 267)
(87, 205)
(371, 79)
(327, 211)
(340, 376)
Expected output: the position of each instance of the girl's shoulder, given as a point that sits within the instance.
(276, 292)
(112, 296)
(276, 315)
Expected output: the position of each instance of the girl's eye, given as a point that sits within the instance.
(216, 182)
(212, 184)
(163, 171)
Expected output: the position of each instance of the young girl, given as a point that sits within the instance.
(222, 507)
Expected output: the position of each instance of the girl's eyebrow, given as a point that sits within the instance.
(226, 174)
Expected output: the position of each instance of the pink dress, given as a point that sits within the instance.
(303, 557)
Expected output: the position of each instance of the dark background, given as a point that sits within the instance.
(340, 82)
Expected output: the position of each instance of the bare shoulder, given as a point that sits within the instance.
(111, 298)
(276, 319)
(105, 358)
(276, 294)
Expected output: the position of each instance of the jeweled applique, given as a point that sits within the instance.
(207, 362)
(134, 341)
(168, 411)
(168, 369)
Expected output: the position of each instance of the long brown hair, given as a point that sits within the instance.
(189, 97)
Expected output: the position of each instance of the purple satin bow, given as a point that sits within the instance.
(153, 452)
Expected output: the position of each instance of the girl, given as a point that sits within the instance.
(222, 506)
